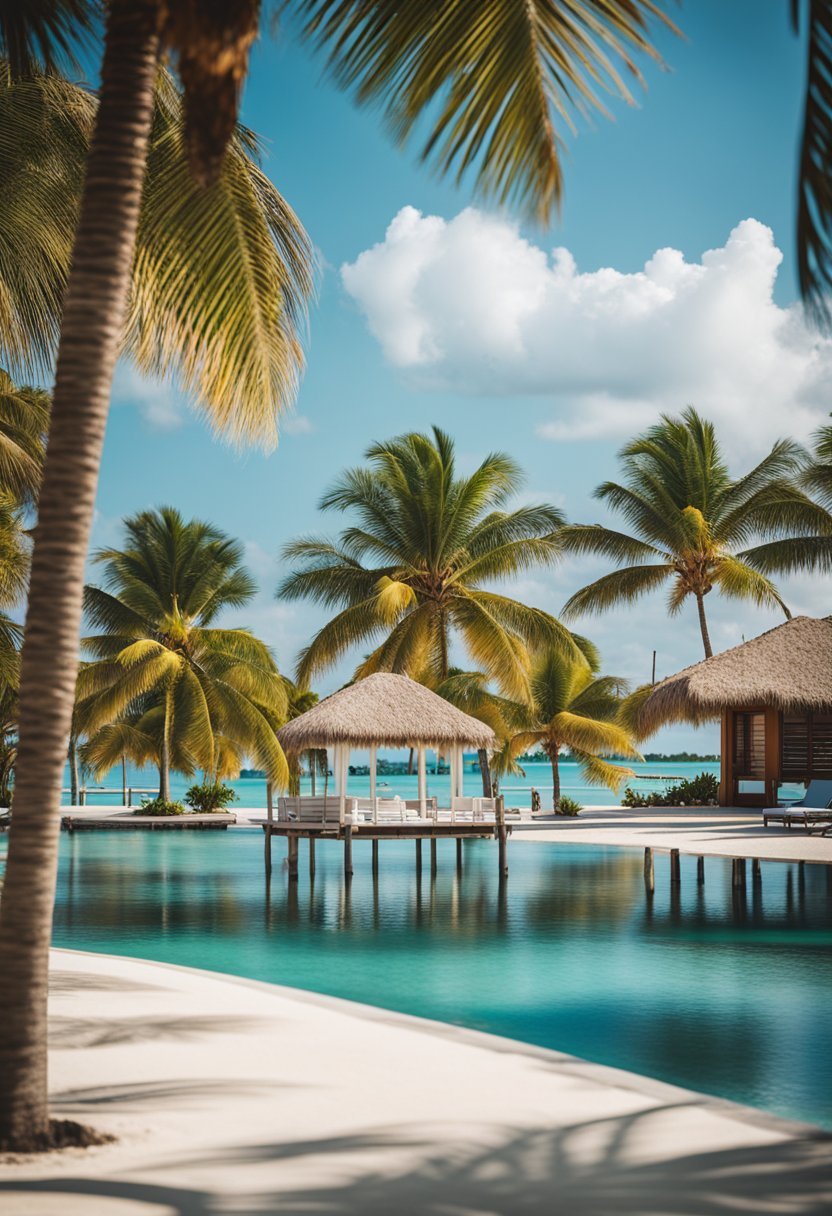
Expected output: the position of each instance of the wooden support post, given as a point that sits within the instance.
(502, 836)
(433, 857)
(267, 843)
(756, 872)
(418, 858)
(348, 851)
(311, 856)
(292, 841)
(675, 868)
(700, 871)
(375, 858)
(738, 872)
(649, 872)
(459, 854)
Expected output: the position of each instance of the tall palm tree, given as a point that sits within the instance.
(208, 687)
(24, 422)
(574, 707)
(416, 563)
(227, 323)
(693, 524)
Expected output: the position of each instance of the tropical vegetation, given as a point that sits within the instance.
(212, 692)
(417, 562)
(702, 790)
(495, 82)
(573, 706)
(693, 527)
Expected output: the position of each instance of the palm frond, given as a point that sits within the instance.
(493, 78)
(814, 199)
(619, 587)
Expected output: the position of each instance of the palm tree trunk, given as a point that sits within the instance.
(703, 626)
(485, 772)
(164, 753)
(313, 764)
(410, 758)
(93, 321)
(73, 771)
(123, 779)
(553, 756)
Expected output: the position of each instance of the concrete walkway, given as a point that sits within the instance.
(232, 1098)
(711, 831)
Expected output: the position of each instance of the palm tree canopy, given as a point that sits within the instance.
(692, 525)
(159, 639)
(221, 277)
(416, 563)
(24, 422)
(574, 706)
(497, 77)
(43, 33)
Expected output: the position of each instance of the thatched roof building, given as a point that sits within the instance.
(384, 710)
(789, 668)
(773, 695)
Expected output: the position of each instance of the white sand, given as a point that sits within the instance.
(710, 831)
(230, 1098)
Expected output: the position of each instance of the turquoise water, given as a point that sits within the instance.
(252, 792)
(723, 994)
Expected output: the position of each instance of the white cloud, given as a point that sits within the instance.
(297, 424)
(469, 304)
(159, 404)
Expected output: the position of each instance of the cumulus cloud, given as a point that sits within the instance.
(297, 424)
(469, 304)
(160, 405)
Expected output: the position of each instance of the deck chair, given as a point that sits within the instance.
(813, 808)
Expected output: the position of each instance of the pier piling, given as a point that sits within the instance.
(675, 868)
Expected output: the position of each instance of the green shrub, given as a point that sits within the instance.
(568, 806)
(210, 796)
(702, 790)
(158, 807)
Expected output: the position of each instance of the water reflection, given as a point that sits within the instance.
(699, 983)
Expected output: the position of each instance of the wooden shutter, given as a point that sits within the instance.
(795, 760)
(821, 750)
(750, 745)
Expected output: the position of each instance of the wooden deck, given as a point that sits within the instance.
(127, 821)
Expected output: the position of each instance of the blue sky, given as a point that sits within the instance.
(711, 143)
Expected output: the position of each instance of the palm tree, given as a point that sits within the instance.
(415, 563)
(692, 523)
(574, 707)
(24, 422)
(201, 688)
(223, 317)
(470, 692)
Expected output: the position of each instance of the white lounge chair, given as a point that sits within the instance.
(812, 810)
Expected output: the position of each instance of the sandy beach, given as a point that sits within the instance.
(231, 1097)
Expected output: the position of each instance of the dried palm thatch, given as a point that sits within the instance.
(388, 710)
(787, 668)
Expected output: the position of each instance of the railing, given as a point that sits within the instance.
(124, 792)
(326, 811)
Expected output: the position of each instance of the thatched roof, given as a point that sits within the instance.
(787, 668)
(388, 710)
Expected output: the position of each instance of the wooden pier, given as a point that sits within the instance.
(438, 826)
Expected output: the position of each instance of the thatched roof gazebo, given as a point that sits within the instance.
(773, 695)
(386, 710)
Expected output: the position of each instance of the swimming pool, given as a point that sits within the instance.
(726, 994)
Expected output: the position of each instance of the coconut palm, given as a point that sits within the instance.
(415, 564)
(804, 553)
(219, 277)
(574, 707)
(24, 422)
(693, 525)
(159, 642)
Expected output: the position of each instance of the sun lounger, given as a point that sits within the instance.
(812, 809)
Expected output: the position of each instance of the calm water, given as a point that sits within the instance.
(252, 792)
(724, 995)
